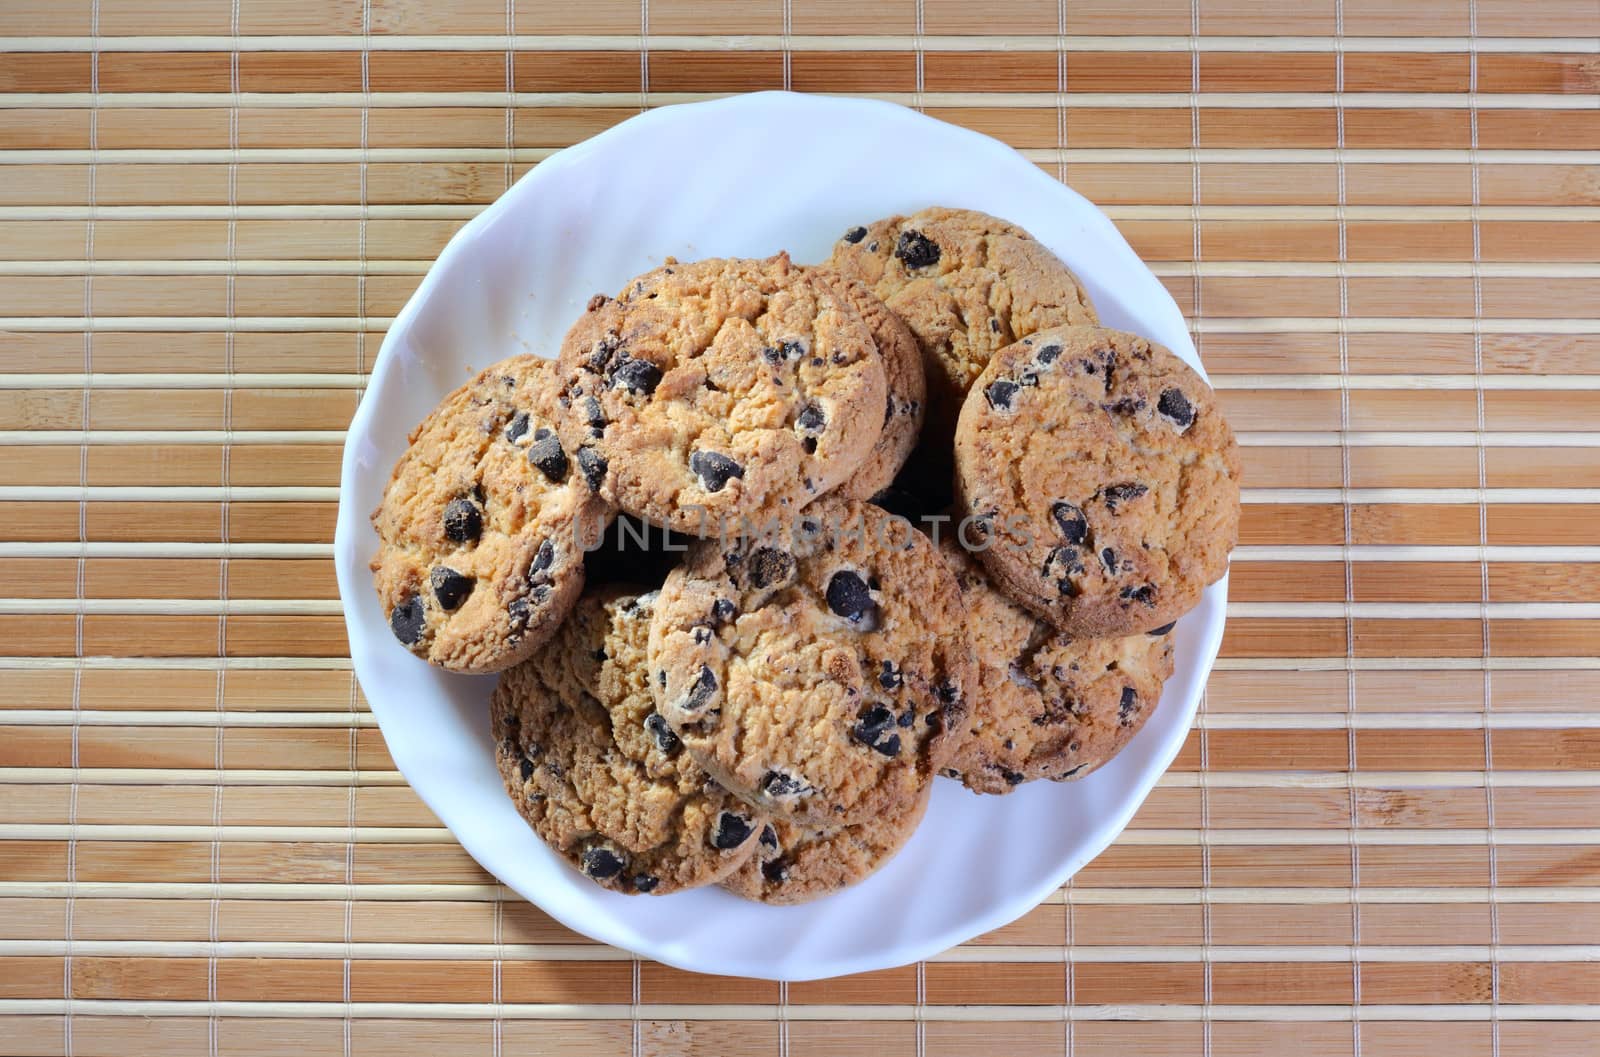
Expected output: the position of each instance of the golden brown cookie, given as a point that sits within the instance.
(796, 864)
(967, 284)
(719, 390)
(1103, 478)
(1047, 705)
(595, 771)
(902, 365)
(484, 522)
(815, 673)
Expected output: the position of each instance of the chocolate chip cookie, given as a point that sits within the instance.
(597, 773)
(902, 365)
(1047, 705)
(720, 390)
(796, 864)
(967, 284)
(484, 522)
(814, 672)
(1102, 477)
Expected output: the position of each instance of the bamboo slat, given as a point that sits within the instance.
(1383, 223)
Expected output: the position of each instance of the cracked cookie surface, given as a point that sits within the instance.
(597, 774)
(967, 284)
(1105, 475)
(796, 864)
(718, 390)
(483, 524)
(815, 672)
(1047, 705)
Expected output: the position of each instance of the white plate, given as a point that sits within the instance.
(746, 176)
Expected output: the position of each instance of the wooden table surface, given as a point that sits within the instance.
(1383, 219)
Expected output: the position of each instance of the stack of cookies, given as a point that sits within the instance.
(908, 513)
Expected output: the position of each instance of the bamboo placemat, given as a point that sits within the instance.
(1384, 221)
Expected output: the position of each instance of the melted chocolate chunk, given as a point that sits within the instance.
(916, 250)
(731, 830)
(1002, 394)
(855, 235)
(602, 864)
(463, 521)
(1122, 493)
(699, 693)
(407, 620)
(874, 728)
(1175, 406)
(594, 467)
(714, 469)
(546, 454)
(450, 587)
(636, 376)
(661, 733)
(849, 596)
(1069, 518)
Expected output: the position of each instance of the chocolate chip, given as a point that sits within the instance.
(602, 864)
(722, 611)
(906, 718)
(994, 325)
(1060, 565)
(874, 728)
(525, 768)
(545, 453)
(665, 739)
(1108, 558)
(519, 611)
(1128, 705)
(1013, 777)
(701, 636)
(890, 678)
(772, 354)
(811, 419)
(594, 416)
(594, 467)
(770, 567)
(776, 871)
(602, 353)
(916, 250)
(768, 838)
(1145, 593)
(948, 693)
(1174, 405)
(1001, 394)
(517, 427)
(731, 830)
(645, 883)
(714, 469)
(1074, 526)
(406, 620)
(450, 587)
(1048, 354)
(699, 693)
(636, 376)
(778, 785)
(809, 444)
(463, 522)
(1122, 493)
(855, 235)
(1163, 629)
(849, 597)
(542, 559)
